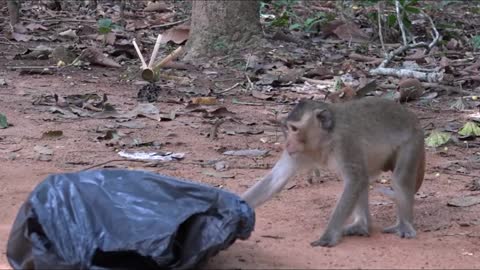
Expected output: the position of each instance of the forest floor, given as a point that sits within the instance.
(448, 237)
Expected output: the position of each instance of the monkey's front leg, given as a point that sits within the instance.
(356, 180)
(273, 182)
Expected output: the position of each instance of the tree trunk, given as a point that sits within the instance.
(14, 11)
(221, 27)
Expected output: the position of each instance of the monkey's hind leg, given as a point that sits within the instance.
(404, 182)
(361, 217)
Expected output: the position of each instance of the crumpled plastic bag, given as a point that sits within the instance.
(125, 219)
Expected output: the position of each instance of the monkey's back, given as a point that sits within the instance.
(377, 126)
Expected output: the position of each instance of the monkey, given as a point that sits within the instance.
(358, 140)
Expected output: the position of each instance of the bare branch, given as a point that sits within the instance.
(408, 73)
(436, 35)
(400, 22)
(380, 32)
(423, 75)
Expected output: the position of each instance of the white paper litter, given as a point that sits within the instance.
(152, 156)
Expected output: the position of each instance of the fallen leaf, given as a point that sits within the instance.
(464, 201)
(221, 166)
(21, 37)
(470, 129)
(178, 34)
(159, 6)
(44, 152)
(410, 89)
(460, 104)
(221, 112)
(474, 185)
(345, 94)
(351, 33)
(218, 174)
(452, 44)
(260, 95)
(247, 152)
(95, 56)
(66, 113)
(204, 100)
(132, 124)
(437, 138)
(110, 135)
(52, 134)
(110, 38)
(69, 33)
(35, 26)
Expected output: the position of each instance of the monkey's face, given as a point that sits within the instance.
(307, 137)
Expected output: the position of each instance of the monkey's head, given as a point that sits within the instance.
(308, 128)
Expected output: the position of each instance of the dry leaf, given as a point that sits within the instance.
(464, 201)
(69, 33)
(35, 26)
(204, 100)
(177, 34)
(110, 38)
(21, 37)
(345, 94)
(52, 134)
(351, 33)
(221, 112)
(410, 89)
(156, 6)
(260, 95)
(452, 44)
(95, 56)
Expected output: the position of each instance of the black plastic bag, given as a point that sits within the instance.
(124, 219)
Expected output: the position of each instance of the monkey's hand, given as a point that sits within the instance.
(328, 239)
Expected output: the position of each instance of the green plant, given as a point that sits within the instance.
(476, 42)
(307, 25)
(286, 16)
(3, 121)
(407, 6)
(105, 26)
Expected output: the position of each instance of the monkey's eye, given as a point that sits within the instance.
(293, 128)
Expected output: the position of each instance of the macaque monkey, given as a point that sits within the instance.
(358, 140)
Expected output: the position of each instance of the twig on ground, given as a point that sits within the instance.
(364, 58)
(427, 75)
(60, 20)
(228, 89)
(214, 130)
(305, 79)
(251, 85)
(168, 24)
(113, 160)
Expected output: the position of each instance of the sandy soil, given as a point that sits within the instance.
(447, 237)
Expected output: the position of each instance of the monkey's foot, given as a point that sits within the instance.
(404, 230)
(327, 240)
(359, 229)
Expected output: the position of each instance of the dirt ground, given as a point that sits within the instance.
(448, 237)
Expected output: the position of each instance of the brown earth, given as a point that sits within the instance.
(448, 237)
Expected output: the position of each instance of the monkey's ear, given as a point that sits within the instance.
(325, 117)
